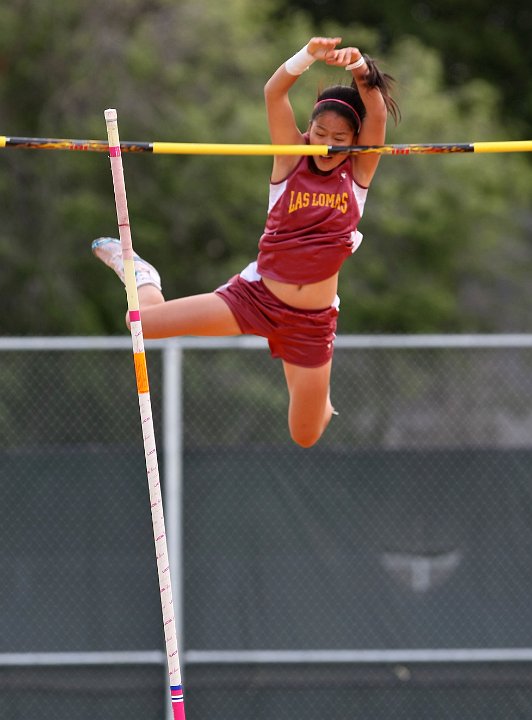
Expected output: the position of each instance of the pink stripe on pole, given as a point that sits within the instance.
(114, 151)
(178, 706)
(134, 315)
(178, 711)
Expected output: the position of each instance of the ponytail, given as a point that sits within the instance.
(375, 78)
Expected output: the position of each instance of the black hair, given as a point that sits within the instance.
(350, 95)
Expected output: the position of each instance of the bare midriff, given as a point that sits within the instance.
(314, 296)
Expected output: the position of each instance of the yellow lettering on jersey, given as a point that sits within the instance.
(299, 200)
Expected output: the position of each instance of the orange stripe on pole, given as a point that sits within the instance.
(141, 372)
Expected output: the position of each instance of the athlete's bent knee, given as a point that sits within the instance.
(305, 438)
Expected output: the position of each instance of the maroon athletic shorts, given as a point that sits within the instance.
(301, 337)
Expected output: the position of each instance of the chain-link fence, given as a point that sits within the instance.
(383, 574)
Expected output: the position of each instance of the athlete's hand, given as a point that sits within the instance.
(343, 56)
(321, 47)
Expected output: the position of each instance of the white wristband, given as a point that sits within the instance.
(299, 62)
(358, 63)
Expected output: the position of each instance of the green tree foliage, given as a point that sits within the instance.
(445, 237)
(187, 71)
(476, 39)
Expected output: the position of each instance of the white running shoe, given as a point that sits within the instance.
(108, 250)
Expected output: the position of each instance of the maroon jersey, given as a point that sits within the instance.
(312, 224)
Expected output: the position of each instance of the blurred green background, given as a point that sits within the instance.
(446, 246)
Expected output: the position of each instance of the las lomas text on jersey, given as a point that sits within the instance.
(300, 200)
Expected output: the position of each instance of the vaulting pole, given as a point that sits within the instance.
(146, 417)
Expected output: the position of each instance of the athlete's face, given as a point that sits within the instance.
(329, 128)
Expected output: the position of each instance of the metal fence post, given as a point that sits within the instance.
(172, 391)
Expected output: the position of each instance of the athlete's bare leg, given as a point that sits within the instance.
(310, 408)
(205, 314)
